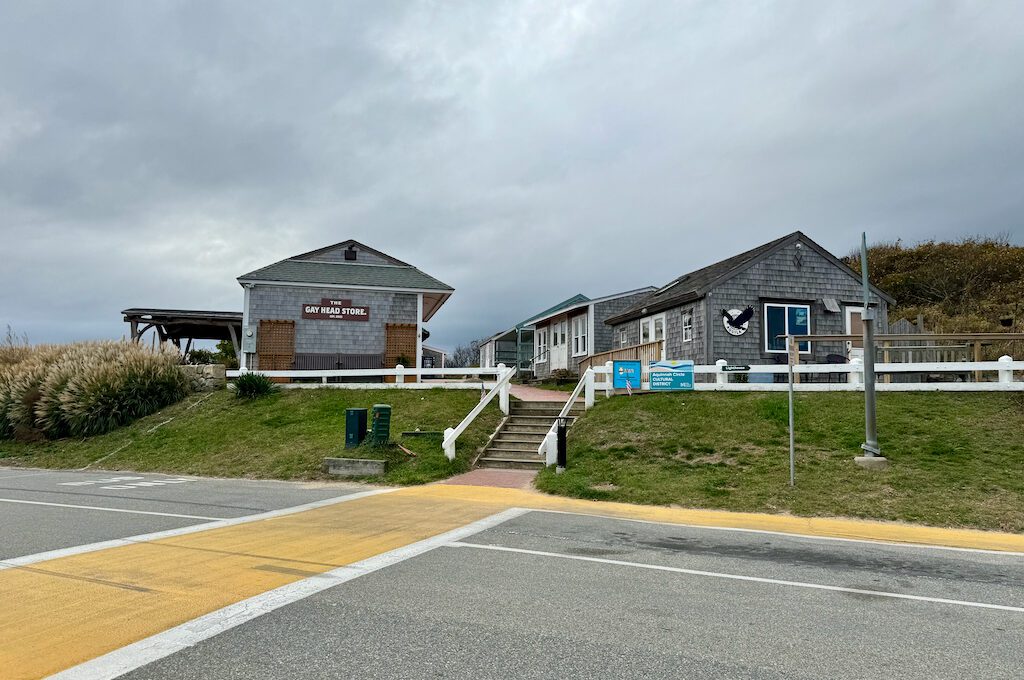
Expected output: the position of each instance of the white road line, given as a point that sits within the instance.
(923, 546)
(157, 535)
(102, 509)
(161, 645)
(737, 577)
(30, 474)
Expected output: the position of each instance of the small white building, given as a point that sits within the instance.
(566, 335)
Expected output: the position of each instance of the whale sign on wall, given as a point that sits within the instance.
(336, 310)
(671, 375)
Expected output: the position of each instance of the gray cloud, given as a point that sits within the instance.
(521, 151)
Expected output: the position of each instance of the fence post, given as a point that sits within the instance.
(588, 389)
(503, 393)
(722, 378)
(399, 374)
(856, 376)
(550, 448)
(449, 446)
(1005, 372)
(609, 379)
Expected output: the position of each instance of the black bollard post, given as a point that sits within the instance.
(560, 467)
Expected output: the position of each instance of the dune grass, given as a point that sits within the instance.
(285, 435)
(956, 459)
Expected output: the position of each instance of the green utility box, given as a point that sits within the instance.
(380, 428)
(355, 427)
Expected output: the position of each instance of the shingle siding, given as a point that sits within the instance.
(338, 255)
(604, 337)
(778, 279)
(327, 336)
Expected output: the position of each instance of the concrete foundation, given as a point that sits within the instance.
(872, 462)
(354, 467)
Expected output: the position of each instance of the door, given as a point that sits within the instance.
(559, 344)
(652, 329)
(275, 346)
(854, 326)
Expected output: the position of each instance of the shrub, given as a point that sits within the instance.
(253, 386)
(86, 388)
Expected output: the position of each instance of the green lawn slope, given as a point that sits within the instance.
(956, 459)
(283, 436)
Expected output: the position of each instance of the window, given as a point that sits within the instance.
(786, 320)
(542, 345)
(687, 326)
(623, 337)
(579, 336)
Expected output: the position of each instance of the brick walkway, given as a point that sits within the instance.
(527, 393)
(505, 479)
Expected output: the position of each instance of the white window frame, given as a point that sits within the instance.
(786, 306)
(686, 325)
(542, 345)
(623, 337)
(579, 336)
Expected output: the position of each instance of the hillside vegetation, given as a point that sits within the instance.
(282, 436)
(972, 285)
(956, 458)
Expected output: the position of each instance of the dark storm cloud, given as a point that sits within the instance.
(520, 151)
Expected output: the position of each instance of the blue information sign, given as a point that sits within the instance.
(626, 373)
(672, 375)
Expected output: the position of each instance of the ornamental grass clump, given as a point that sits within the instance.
(253, 386)
(86, 388)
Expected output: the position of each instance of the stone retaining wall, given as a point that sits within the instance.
(206, 377)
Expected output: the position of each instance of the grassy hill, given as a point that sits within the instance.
(957, 459)
(969, 286)
(283, 436)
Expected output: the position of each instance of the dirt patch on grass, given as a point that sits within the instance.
(695, 459)
(607, 486)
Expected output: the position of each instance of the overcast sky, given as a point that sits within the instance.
(521, 151)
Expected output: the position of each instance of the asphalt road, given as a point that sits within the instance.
(552, 595)
(44, 510)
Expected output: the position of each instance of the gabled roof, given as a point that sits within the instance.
(345, 274)
(343, 245)
(575, 299)
(695, 285)
(300, 269)
(572, 306)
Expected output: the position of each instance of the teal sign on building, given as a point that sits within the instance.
(672, 375)
(626, 374)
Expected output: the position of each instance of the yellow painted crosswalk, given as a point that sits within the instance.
(62, 612)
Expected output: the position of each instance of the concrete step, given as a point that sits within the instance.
(515, 444)
(539, 428)
(530, 419)
(496, 461)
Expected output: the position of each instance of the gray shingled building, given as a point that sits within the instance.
(736, 308)
(342, 306)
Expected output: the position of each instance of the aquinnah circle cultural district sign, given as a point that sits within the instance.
(336, 310)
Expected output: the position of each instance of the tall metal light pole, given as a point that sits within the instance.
(872, 453)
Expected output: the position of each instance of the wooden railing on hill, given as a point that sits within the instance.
(646, 353)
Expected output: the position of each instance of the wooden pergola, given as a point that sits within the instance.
(175, 325)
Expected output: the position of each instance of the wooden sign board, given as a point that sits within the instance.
(336, 310)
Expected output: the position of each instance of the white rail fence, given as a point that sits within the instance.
(428, 378)
(849, 377)
(501, 389)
